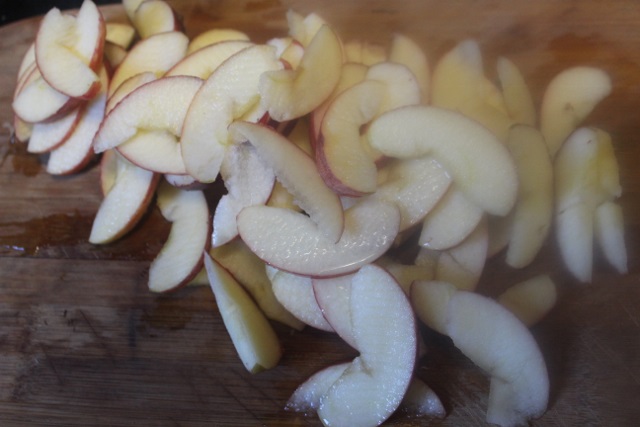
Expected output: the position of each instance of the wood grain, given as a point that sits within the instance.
(82, 341)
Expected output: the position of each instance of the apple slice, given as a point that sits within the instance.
(125, 202)
(130, 7)
(533, 211)
(50, 135)
(296, 294)
(304, 28)
(421, 401)
(109, 164)
(77, 150)
(21, 129)
(405, 51)
(307, 396)
(373, 386)
(333, 296)
(155, 17)
(569, 98)
(214, 36)
(69, 50)
(146, 124)
(251, 333)
(450, 221)
(249, 181)
(463, 147)
(402, 86)
(415, 186)
(228, 94)
(530, 300)
(156, 54)
(180, 259)
(288, 94)
(128, 86)
(298, 174)
(291, 241)
(406, 274)
(249, 271)
(114, 54)
(430, 299)
(517, 97)
(364, 52)
(343, 160)
(496, 341)
(28, 61)
(120, 34)
(609, 233)
(204, 61)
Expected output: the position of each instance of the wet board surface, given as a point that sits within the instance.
(83, 342)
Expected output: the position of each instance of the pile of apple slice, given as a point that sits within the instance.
(333, 155)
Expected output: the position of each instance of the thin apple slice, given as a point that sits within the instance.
(114, 54)
(155, 17)
(28, 61)
(480, 165)
(180, 259)
(206, 60)
(569, 98)
(421, 401)
(156, 54)
(415, 186)
(496, 341)
(533, 211)
(249, 271)
(364, 52)
(50, 135)
(249, 181)
(531, 299)
(77, 150)
(130, 7)
(406, 274)
(609, 233)
(296, 294)
(343, 160)
(333, 296)
(69, 50)
(384, 327)
(228, 94)
(125, 202)
(291, 241)
(430, 299)
(304, 28)
(120, 34)
(450, 221)
(298, 174)
(213, 36)
(251, 333)
(128, 86)
(516, 93)
(109, 165)
(405, 51)
(306, 398)
(148, 136)
(402, 86)
(288, 94)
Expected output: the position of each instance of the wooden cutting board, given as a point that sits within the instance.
(83, 342)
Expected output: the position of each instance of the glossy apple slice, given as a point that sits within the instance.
(180, 259)
(251, 333)
(69, 50)
(463, 147)
(292, 241)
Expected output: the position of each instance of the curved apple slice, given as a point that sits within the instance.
(421, 401)
(205, 61)
(156, 54)
(109, 165)
(530, 300)
(249, 271)
(401, 84)
(128, 86)
(292, 241)
(146, 124)
(480, 165)
(251, 333)
(228, 94)
(343, 160)
(69, 50)
(125, 201)
(296, 294)
(214, 36)
(609, 232)
(405, 51)
(77, 150)
(495, 340)
(517, 97)
(155, 17)
(304, 28)
(533, 212)
(120, 34)
(50, 135)
(333, 296)
(416, 186)
(297, 172)
(130, 7)
(249, 181)
(569, 98)
(180, 259)
(308, 395)
(430, 299)
(114, 54)
(384, 328)
(450, 221)
(288, 94)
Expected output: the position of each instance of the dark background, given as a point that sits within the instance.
(13, 10)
